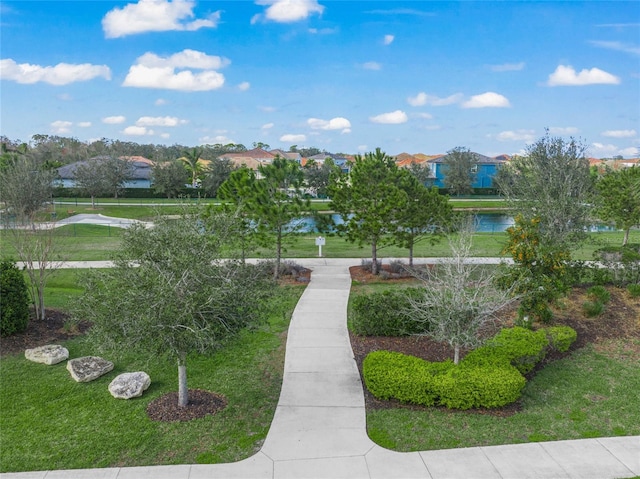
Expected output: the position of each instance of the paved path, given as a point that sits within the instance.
(319, 427)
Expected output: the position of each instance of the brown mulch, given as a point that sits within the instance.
(619, 321)
(201, 403)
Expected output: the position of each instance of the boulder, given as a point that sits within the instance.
(129, 385)
(88, 368)
(49, 354)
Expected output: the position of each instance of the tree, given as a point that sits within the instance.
(191, 160)
(422, 172)
(26, 187)
(89, 179)
(426, 215)
(549, 191)
(460, 171)
(617, 202)
(263, 146)
(273, 202)
(217, 173)
(317, 176)
(115, 172)
(38, 250)
(177, 297)
(459, 299)
(14, 299)
(552, 182)
(369, 199)
(169, 178)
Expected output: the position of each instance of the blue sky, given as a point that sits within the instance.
(345, 76)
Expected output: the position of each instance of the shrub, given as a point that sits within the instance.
(592, 309)
(599, 293)
(367, 265)
(398, 267)
(634, 290)
(14, 300)
(561, 337)
(517, 346)
(383, 314)
(467, 387)
(409, 379)
(621, 262)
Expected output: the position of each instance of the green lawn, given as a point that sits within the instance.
(589, 394)
(48, 421)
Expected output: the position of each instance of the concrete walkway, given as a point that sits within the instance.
(319, 427)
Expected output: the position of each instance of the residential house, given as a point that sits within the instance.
(484, 170)
(140, 176)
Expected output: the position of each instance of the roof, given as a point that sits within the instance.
(142, 167)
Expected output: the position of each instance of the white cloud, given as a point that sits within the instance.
(632, 152)
(60, 74)
(160, 102)
(619, 133)
(287, 11)
(165, 135)
(618, 46)
(172, 73)
(160, 121)
(65, 97)
(337, 123)
(422, 99)
(84, 124)
(114, 120)
(391, 118)
(244, 86)
(363, 147)
(518, 135)
(487, 100)
(388, 39)
(290, 138)
(372, 66)
(137, 131)
(323, 31)
(267, 126)
(426, 116)
(267, 109)
(567, 130)
(508, 67)
(222, 139)
(567, 76)
(60, 127)
(155, 16)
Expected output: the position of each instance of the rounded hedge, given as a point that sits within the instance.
(384, 314)
(14, 300)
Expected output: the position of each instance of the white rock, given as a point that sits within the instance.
(129, 385)
(88, 368)
(49, 354)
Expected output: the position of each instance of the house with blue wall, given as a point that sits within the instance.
(141, 172)
(484, 170)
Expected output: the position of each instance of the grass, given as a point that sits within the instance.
(589, 394)
(48, 421)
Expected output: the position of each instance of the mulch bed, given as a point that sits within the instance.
(201, 403)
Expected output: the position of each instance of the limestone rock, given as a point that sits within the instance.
(49, 354)
(88, 368)
(129, 385)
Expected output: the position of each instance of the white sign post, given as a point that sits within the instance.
(320, 243)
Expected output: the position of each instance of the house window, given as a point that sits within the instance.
(474, 169)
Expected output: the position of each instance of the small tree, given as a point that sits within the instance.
(115, 172)
(617, 202)
(317, 176)
(460, 299)
(426, 215)
(460, 171)
(89, 178)
(179, 295)
(191, 160)
(218, 172)
(369, 199)
(25, 187)
(169, 178)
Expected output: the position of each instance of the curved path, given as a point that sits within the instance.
(319, 427)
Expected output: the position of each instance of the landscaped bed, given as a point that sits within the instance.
(589, 391)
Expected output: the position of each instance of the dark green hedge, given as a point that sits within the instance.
(489, 377)
(14, 300)
(384, 314)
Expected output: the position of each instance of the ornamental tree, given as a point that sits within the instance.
(617, 201)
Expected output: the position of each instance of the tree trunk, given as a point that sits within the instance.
(93, 202)
(625, 240)
(456, 354)
(374, 257)
(276, 270)
(183, 392)
(411, 254)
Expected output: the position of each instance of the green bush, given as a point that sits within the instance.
(14, 300)
(466, 387)
(520, 347)
(384, 314)
(409, 379)
(592, 309)
(599, 293)
(561, 337)
(633, 290)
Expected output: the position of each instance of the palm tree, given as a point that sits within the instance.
(191, 160)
